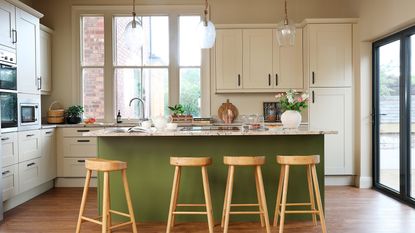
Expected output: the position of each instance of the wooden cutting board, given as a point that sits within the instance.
(228, 112)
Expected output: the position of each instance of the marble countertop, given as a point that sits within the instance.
(123, 132)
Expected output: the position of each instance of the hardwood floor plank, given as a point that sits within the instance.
(348, 210)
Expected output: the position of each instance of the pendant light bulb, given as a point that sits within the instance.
(286, 31)
(134, 33)
(206, 30)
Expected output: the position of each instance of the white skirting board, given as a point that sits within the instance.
(28, 195)
(346, 180)
(364, 182)
(74, 182)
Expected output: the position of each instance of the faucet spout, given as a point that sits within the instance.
(142, 107)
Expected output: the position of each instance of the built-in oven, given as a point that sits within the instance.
(8, 70)
(29, 108)
(9, 111)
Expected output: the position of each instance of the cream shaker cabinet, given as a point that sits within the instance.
(29, 145)
(331, 109)
(28, 78)
(9, 149)
(329, 55)
(29, 175)
(45, 61)
(7, 24)
(10, 181)
(48, 159)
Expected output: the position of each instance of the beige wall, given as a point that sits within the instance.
(58, 17)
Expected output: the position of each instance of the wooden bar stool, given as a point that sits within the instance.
(310, 162)
(257, 162)
(106, 166)
(180, 162)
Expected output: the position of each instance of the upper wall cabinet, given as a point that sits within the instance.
(250, 60)
(28, 78)
(45, 60)
(7, 24)
(329, 55)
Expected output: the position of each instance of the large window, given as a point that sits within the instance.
(167, 70)
(394, 115)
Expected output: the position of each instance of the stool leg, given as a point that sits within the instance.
(228, 200)
(128, 199)
(318, 197)
(311, 191)
(109, 206)
(284, 197)
(173, 199)
(279, 192)
(261, 216)
(263, 198)
(224, 199)
(208, 199)
(83, 202)
(173, 219)
(105, 204)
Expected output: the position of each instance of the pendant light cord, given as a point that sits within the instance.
(205, 15)
(286, 13)
(133, 22)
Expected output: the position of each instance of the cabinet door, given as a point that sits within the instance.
(27, 52)
(288, 64)
(9, 149)
(81, 147)
(7, 24)
(331, 109)
(257, 58)
(228, 59)
(29, 175)
(330, 56)
(48, 162)
(29, 145)
(10, 180)
(45, 62)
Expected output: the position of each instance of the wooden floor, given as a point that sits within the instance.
(348, 210)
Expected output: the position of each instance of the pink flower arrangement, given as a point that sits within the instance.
(293, 100)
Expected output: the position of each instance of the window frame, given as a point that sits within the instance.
(173, 12)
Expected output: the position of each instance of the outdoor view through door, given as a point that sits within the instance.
(394, 115)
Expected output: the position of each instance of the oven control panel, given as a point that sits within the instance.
(7, 56)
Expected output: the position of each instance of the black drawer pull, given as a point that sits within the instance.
(5, 139)
(30, 164)
(312, 96)
(81, 161)
(83, 140)
(29, 135)
(48, 132)
(312, 77)
(83, 130)
(5, 173)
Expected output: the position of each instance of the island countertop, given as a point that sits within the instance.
(123, 132)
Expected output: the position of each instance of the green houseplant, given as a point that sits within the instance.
(74, 114)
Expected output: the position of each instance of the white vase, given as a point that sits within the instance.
(291, 119)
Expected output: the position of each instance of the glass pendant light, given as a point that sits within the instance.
(286, 31)
(206, 30)
(134, 33)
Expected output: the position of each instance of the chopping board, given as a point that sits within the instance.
(228, 112)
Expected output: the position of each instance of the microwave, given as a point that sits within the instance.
(29, 112)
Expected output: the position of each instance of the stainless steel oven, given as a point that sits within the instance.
(9, 111)
(29, 111)
(8, 69)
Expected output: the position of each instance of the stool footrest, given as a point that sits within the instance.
(302, 212)
(297, 204)
(241, 205)
(191, 205)
(121, 225)
(91, 220)
(119, 213)
(189, 212)
(246, 212)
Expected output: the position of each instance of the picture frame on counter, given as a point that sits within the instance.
(272, 111)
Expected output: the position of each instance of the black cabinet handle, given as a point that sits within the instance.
(276, 79)
(239, 80)
(81, 161)
(83, 141)
(312, 97)
(312, 77)
(269, 79)
(48, 132)
(30, 164)
(83, 130)
(5, 139)
(5, 173)
(30, 135)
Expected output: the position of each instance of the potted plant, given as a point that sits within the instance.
(178, 111)
(292, 103)
(74, 114)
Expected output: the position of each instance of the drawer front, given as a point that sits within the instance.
(29, 175)
(29, 145)
(9, 149)
(81, 147)
(75, 167)
(10, 181)
(77, 132)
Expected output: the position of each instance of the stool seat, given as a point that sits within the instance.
(190, 161)
(103, 165)
(244, 160)
(298, 160)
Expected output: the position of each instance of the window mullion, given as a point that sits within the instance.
(174, 83)
(109, 113)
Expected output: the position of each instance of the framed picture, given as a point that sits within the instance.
(272, 112)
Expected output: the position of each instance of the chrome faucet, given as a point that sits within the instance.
(142, 107)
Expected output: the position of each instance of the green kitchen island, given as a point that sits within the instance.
(150, 174)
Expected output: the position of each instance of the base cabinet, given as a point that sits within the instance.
(331, 109)
(29, 175)
(48, 152)
(10, 179)
(9, 149)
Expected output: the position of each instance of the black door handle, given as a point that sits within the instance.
(269, 79)
(276, 79)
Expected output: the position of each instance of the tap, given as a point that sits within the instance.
(142, 107)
